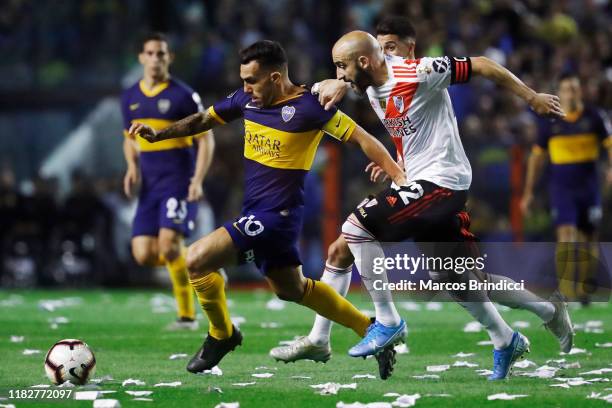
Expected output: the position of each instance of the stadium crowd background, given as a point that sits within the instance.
(63, 215)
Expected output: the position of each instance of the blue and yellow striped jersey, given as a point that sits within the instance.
(167, 103)
(573, 144)
(280, 143)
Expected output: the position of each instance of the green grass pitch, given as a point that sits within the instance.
(129, 341)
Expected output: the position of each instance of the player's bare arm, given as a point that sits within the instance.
(541, 103)
(206, 148)
(535, 165)
(191, 125)
(132, 174)
(377, 153)
(330, 91)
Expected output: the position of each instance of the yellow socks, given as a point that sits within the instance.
(210, 291)
(183, 293)
(324, 300)
(566, 268)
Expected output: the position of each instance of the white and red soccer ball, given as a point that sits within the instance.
(70, 360)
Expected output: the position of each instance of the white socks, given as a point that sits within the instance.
(340, 280)
(521, 299)
(365, 248)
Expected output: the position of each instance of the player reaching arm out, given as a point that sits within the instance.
(203, 121)
(132, 174)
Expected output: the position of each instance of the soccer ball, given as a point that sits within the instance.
(70, 360)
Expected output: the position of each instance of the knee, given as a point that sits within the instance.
(144, 256)
(339, 254)
(196, 261)
(291, 293)
(169, 249)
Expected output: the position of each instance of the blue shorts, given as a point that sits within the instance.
(268, 238)
(164, 209)
(576, 206)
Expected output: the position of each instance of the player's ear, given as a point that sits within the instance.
(363, 62)
(275, 76)
(141, 56)
(170, 57)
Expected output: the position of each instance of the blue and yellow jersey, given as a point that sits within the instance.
(170, 160)
(280, 143)
(573, 144)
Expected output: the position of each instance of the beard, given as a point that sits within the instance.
(363, 79)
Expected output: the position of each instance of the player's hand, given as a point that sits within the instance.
(144, 131)
(376, 173)
(525, 203)
(331, 91)
(196, 192)
(130, 180)
(546, 105)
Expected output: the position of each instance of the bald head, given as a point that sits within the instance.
(359, 60)
(357, 43)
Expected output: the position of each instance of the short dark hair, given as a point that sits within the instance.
(153, 36)
(269, 54)
(568, 75)
(395, 25)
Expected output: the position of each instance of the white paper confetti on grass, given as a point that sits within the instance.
(17, 339)
(520, 324)
(332, 388)
(87, 395)
(266, 368)
(143, 399)
(58, 320)
(358, 404)
(169, 384)
(238, 320)
(562, 385)
(269, 325)
(484, 372)
(51, 305)
(244, 384)
(106, 403)
(392, 394)
(276, 304)
(437, 368)
(603, 345)
(573, 351)
(228, 405)
(504, 396)
(426, 377)
(132, 381)
(300, 377)
(262, 375)
(434, 306)
(101, 379)
(525, 364)
(139, 393)
(461, 354)
(40, 386)
(357, 376)
(7, 406)
(540, 372)
(485, 343)
(29, 352)
(598, 372)
(472, 327)
(464, 364)
(214, 371)
(401, 348)
(404, 401)
(177, 356)
(410, 306)
(600, 396)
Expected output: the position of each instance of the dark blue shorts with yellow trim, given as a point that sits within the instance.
(164, 209)
(576, 206)
(268, 238)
